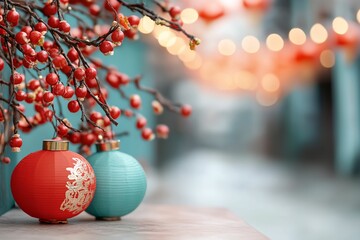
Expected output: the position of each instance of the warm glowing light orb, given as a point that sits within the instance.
(297, 36)
(189, 15)
(250, 44)
(270, 82)
(318, 33)
(340, 25)
(226, 47)
(327, 58)
(146, 25)
(275, 42)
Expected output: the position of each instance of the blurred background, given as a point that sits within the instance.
(275, 130)
(274, 135)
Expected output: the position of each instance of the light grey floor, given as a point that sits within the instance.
(282, 203)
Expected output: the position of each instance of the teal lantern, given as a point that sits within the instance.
(120, 180)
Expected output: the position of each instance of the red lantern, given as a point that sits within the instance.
(307, 52)
(211, 10)
(349, 39)
(53, 184)
(257, 5)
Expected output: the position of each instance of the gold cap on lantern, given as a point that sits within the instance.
(56, 145)
(108, 145)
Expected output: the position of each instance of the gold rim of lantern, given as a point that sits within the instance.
(55, 145)
(108, 145)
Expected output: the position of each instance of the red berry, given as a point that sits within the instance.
(106, 48)
(112, 5)
(17, 62)
(21, 38)
(92, 83)
(147, 134)
(88, 139)
(90, 73)
(36, 38)
(48, 45)
(50, 9)
(123, 78)
(15, 143)
(135, 101)
(2, 64)
(20, 95)
(48, 97)
(134, 20)
(81, 92)
(53, 22)
(42, 56)
(58, 89)
(74, 137)
(30, 97)
(52, 79)
(59, 62)
(94, 9)
(64, 3)
(128, 113)
(141, 122)
(162, 131)
(39, 97)
(28, 50)
(157, 107)
(64, 26)
(115, 112)
(131, 34)
(41, 27)
(68, 93)
(117, 37)
(49, 115)
(62, 130)
(13, 17)
(112, 79)
(26, 29)
(186, 110)
(33, 84)
(6, 160)
(175, 12)
(73, 55)
(17, 78)
(79, 73)
(73, 106)
(95, 116)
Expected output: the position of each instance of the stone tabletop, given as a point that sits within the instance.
(147, 222)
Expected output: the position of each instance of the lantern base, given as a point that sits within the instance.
(53, 221)
(108, 218)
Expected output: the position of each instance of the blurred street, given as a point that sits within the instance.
(281, 202)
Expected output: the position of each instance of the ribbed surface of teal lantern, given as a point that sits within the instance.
(120, 180)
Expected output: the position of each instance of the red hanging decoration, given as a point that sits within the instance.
(53, 184)
(257, 5)
(211, 10)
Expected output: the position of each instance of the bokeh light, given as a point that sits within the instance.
(297, 36)
(340, 25)
(266, 99)
(189, 15)
(226, 47)
(270, 82)
(275, 42)
(146, 25)
(327, 58)
(318, 33)
(250, 44)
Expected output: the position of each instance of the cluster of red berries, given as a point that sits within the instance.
(69, 75)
